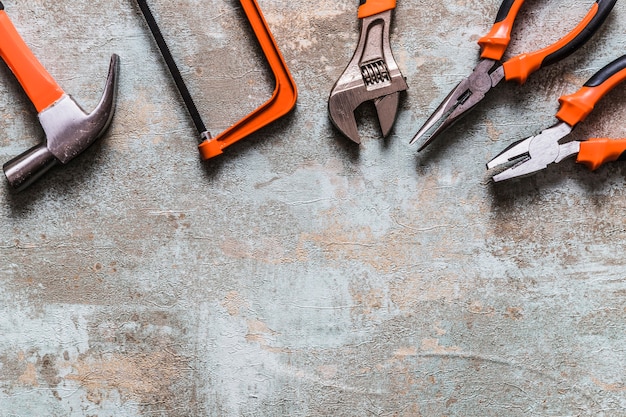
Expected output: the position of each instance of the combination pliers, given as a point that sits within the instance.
(537, 152)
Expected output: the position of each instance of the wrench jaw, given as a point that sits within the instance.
(387, 111)
(69, 131)
(341, 107)
(372, 75)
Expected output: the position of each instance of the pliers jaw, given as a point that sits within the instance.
(372, 75)
(487, 74)
(535, 153)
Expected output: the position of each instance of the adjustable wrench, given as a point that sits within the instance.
(371, 75)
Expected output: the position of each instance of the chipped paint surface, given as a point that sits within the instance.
(298, 274)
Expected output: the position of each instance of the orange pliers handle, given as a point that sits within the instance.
(576, 107)
(520, 67)
(38, 84)
(494, 44)
(369, 8)
(598, 151)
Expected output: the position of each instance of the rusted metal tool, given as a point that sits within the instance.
(281, 102)
(69, 130)
(371, 75)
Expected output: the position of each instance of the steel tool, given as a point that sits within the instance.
(537, 152)
(490, 71)
(281, 102)
(371, 75)
(69, 130)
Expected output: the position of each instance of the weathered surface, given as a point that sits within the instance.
(298, 274)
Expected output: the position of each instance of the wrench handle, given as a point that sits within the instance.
(369, 8)
(38, 84)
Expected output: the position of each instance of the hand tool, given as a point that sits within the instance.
(281, 102)
(371, 75)
(537, 152)
(490, 71)
(69, 130)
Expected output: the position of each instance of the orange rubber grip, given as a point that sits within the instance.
(596, 152)
(38, 84)
(494, 44)
(371, 7)
(521, 66)
(576, 107)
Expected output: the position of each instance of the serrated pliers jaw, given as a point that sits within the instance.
(535, 153)
(372, 75)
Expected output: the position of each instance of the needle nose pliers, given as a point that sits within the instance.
(371, 75)
(489, 72)
(537, 152)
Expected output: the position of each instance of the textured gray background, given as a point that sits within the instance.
(298, 274)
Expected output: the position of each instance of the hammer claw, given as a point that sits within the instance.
(69, 131)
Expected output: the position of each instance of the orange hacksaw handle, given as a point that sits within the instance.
(38, 84)
(369, 8)
(283, 98)
(520, 67)
(597, 151)
(494, 44)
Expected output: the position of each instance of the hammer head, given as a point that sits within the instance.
(69, 131)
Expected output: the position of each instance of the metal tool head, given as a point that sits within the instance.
(69, 131)
(463, 98)
(371, 75)
(535, 153)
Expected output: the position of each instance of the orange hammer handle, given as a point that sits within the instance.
(369, 8)
(38, 84)
(597, 151)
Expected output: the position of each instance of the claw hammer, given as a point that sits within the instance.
(69, 130)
